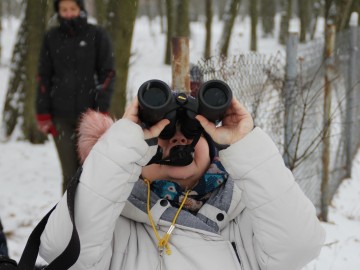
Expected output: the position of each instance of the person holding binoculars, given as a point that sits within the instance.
(185, 183)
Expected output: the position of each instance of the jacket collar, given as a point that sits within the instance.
(223, 206)
(73, 27)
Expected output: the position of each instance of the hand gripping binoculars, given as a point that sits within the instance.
(157, 101)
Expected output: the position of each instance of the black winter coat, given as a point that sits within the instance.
(75, 72)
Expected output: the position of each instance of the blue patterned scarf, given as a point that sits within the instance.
(214, 177)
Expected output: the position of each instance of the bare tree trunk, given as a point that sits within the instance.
(90, 8)
(268, 10)
(220, 8)
(304, 18)
(12, 8)
(231, 12)
(19, 110)
(100, 7)
(161, 14)
(121, 21)
(50, 17)
(286, 14)
(182, 19)
(316, 9)
(343, 8)
(254, 19)
(328, 11)
(180, 64)
(148, 7)
(170, 30)
(196, 10)
(356, 7)
(209, 15)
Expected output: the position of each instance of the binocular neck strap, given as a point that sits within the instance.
(180, 155)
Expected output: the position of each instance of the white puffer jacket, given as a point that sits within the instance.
(264, 222)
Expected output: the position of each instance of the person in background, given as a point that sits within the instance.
(76, 73)
(196, 79)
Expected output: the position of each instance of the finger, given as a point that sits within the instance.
(133, 108)
(136, 102)
(131, 111)
(156, 129)
(208, 126)
(238, 108)
(235, 113)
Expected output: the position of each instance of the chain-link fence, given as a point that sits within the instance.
(256, 81)
(285, 95)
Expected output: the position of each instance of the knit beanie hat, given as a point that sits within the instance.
(196, 79)
(80, 3)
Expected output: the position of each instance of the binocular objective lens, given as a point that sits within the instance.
(215, 97)
(155, 96)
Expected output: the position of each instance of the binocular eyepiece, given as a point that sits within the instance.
(157, 101)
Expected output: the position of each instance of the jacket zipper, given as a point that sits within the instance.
(237, 255)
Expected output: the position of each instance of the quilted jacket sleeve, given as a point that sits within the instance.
(287, 233)
(109, 172)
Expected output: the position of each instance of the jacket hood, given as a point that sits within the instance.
(92, 126)
(80, 3)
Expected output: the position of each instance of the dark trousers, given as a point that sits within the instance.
(66, 145)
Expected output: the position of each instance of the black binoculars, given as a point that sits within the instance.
(157, 101)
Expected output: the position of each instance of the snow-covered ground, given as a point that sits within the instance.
(30, 176)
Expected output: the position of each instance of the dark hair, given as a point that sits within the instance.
(80, 3)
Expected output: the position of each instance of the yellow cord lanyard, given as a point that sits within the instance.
(163, 243)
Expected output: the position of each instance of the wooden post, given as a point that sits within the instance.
(180, 64)
(329, 66)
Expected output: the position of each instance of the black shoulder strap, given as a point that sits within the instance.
(71, 253)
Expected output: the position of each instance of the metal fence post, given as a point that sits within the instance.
(329, 66)
(350, 94)
(289, 95)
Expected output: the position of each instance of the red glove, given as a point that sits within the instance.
(45, 124)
